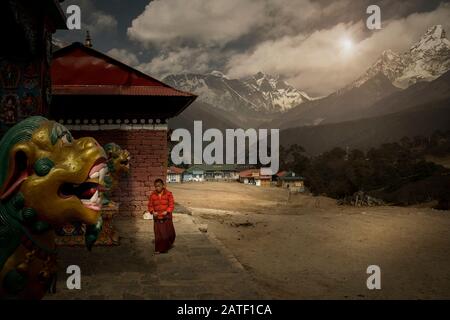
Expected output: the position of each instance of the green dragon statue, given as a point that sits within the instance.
(47, 179)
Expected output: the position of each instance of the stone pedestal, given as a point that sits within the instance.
(109, 235)
(73, 235)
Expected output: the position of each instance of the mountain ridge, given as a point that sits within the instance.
(337, 107)
(426, 60)
(407, 113)
(257, 93)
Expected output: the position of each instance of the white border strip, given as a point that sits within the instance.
(114, 124)
(125, 127)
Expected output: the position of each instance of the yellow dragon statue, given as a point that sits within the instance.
(118, 166)
(47, 179)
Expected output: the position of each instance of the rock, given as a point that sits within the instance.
(203, 228)
(361, 199)
(243, 224)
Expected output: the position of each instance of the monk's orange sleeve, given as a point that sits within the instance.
(171, 206)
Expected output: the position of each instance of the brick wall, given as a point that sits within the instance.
(148, 149)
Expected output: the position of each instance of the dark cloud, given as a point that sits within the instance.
(301, 40)
(106, 20)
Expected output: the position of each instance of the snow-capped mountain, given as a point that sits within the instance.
(258, 93)
(426, 60)
(389, 64)
(280, 95)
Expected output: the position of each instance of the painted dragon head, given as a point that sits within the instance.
(118, 164)
(118, 159)
(58, 177)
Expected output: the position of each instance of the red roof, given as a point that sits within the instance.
(281, 173)
(80, 70)
(248, 173)
(253, 173)
(175, 170)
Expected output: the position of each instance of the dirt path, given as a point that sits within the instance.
(311, 248)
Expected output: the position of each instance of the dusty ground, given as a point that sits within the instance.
(306, 247)
(198, 267)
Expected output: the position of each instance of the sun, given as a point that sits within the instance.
(347, 44)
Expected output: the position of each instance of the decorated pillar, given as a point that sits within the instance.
(26, 29)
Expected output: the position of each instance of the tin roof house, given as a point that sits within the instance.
(174, 175)
(219, 172)
(291, 181)
(257, 177)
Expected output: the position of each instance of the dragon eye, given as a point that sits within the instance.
(66, 139)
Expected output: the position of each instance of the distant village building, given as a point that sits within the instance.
(291, 181)
(174, 175)
(200, 173)
(193, 174)
(278, 175)
(255, 177)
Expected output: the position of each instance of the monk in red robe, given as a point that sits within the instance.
(161, 205)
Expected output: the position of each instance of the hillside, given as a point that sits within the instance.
(337, 107)
(365, 133)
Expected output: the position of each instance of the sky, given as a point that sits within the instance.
(317, 46)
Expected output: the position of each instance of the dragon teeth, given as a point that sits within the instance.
(95, 200)
(95, 197)
(102, 174)
(94, 175)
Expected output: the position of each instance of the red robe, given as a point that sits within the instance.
(162, 225)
